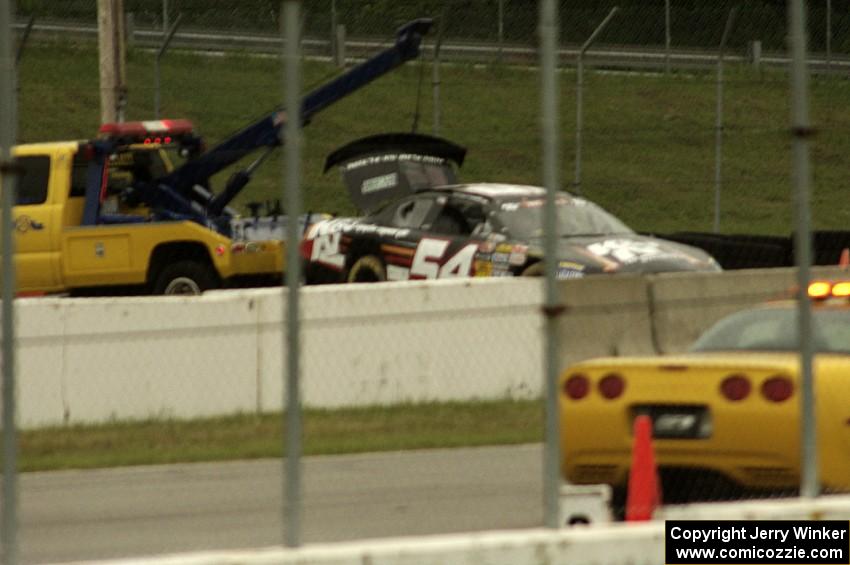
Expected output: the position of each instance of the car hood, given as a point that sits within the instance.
(627, 253)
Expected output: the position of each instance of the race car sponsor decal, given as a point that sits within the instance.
(501, 272)
(392, 158)
(482, 268)
(569, 270)
(380, 231)
(486, 246)
(501, 254)
(382, 182)
(326, 237)
(628, 251)
(518, 255)
(508, 254)
(430, 262)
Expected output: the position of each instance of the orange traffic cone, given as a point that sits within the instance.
(644, 493)
(844, 260)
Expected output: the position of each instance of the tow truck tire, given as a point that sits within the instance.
(367, 269)
(186, 278)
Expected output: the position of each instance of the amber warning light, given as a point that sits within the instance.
(821, 290)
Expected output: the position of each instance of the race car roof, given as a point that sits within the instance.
(499, 191)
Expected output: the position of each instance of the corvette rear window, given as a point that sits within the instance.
(775, 329)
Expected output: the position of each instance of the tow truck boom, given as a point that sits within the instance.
(175, 193)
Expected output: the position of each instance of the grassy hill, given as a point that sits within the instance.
(648, 140)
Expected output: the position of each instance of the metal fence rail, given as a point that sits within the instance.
(455, 49)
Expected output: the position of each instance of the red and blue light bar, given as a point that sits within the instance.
(147, 132)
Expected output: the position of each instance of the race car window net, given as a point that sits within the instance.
(411, 213)
(585, 220)
(775, 329)
(460, 217)
(450, 221)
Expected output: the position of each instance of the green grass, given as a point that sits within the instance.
(359, 430)
(648, 157)
(648, 150)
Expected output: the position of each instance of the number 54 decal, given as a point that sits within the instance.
(430, 262)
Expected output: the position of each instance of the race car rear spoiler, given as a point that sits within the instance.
(388, 166)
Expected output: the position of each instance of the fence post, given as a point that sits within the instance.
(435, 77)
(549, 101)
(165, 42)
(501, 28)
(828, 35)
(130, 29)
(292, 196)
(580, 94)
(667, 36)
(333, 44)
(801, 131)
(718, 130)
(23, 41)
(339, 42)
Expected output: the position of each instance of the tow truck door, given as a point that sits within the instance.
(37, 218)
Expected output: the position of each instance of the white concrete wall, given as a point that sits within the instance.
(613, 544)
(95, 360)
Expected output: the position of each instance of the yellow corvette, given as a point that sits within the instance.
(726, 414)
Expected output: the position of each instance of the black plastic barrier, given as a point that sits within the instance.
(742, 251)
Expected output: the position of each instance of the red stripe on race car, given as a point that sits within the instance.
(398, 250)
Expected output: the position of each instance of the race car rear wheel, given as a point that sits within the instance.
(367, 269)
(533, 270)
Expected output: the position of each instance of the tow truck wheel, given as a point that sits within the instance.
(367, 269)
(186, 278)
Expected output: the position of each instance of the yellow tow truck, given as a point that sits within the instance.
(123, 247)
(132, 212)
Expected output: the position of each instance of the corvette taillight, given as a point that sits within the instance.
(777, 389)
(735, 387)
(611, 386)
(576, 387)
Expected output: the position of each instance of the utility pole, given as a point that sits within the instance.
(113, 93)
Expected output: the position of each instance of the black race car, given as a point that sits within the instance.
(419, 224)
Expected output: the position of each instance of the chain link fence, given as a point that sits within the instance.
(692, 25)
(656, 149)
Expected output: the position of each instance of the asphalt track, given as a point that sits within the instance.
(131, 512)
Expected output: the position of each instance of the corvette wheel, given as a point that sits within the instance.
(367, 269)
